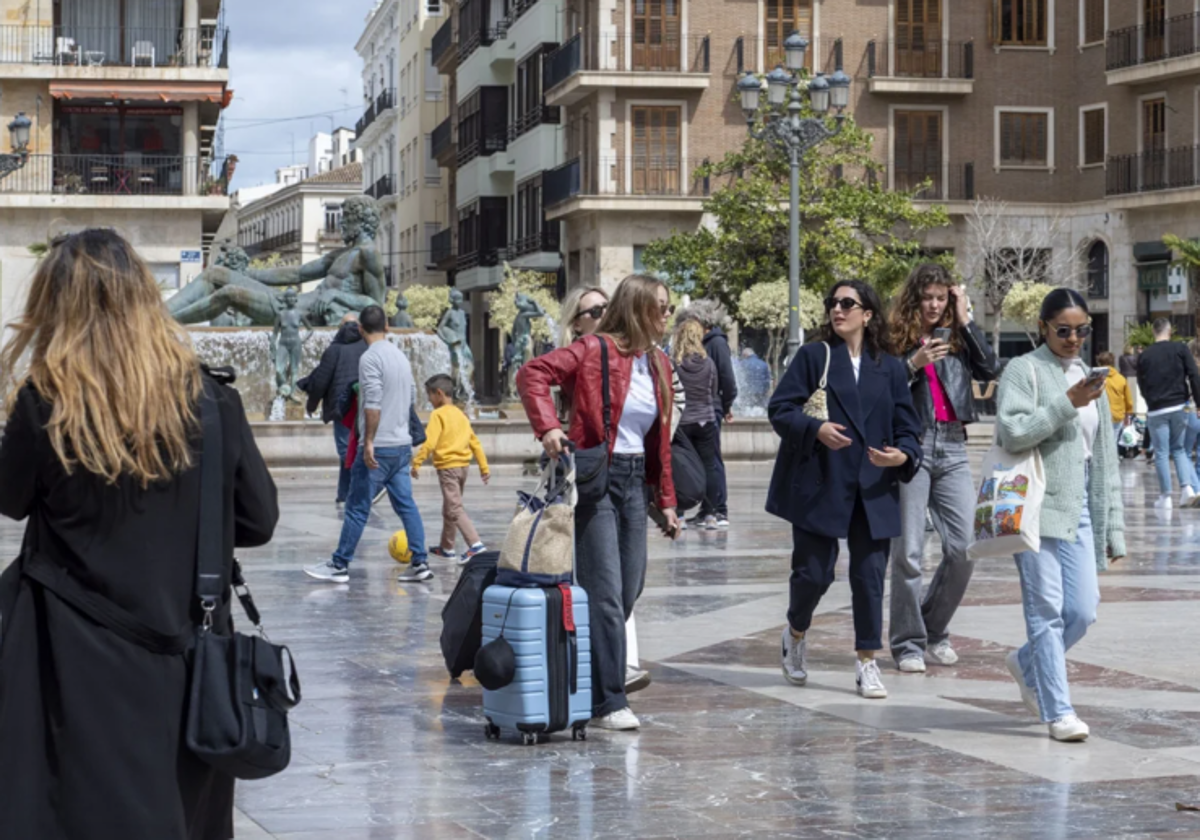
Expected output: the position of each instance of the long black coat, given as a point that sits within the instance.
(815, 488)
(90, 725)
(337, 370)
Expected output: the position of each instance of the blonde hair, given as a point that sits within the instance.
(119, 372)
(570, 311)
(687, 341)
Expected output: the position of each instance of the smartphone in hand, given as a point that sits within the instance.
(942, 334)
(1097, 375)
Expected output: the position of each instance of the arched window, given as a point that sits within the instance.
(1097, 270)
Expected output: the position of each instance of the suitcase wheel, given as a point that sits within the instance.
(491, 731)
(579, 733)
(529, 738)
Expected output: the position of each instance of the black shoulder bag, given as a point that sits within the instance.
(242, 686)
(591, 465)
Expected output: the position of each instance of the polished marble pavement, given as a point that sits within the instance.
(385, 746)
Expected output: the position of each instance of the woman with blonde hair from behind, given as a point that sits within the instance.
(698, 376)
(101, 452)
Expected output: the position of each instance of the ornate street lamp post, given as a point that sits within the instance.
(789, 133)
(18, 131)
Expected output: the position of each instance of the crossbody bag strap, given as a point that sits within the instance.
(210, 568)
(825, 374)
(604, 384)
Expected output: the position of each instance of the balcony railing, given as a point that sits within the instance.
(486, 258)
(634, 175)
(273, 243)
(930, 60)
(476, 29)
(622, 52)
(543, 115)
(441, 142)
(441, 248)
(444, 46)
(114, 46)
(959, 187)
(1152, 171)
(544, 241)
(376, 108)
(1150, 42)
(115, 175)
(385, 186)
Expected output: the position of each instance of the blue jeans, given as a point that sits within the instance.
(341, 440)
(1060, 593)
(1190, 439)
(392, 472)
(1167, 433)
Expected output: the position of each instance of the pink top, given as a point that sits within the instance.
(943, 411)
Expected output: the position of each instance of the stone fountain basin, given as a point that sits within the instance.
(247, 351)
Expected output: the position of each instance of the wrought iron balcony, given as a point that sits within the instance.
(385, 186)
(651, 176)
(442, 142)
(115, 46)
(376, 108)
(545, 241)
(1153, 171)
(623, 52)
(118, 175)
(445, 47)
(1135, 45)
(927, 60)
(542, 115)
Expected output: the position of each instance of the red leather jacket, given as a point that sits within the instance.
(576, 369)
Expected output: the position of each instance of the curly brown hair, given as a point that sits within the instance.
(907, 325)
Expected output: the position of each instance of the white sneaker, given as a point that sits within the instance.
(870, 682)
(942, 653)
(622, 720)
(1069, 728)
(1027, 695)
(710, 523)
(415, 574)
(1187, 498)
(911, 664)
(795, 669)
(1163, 503)
(636, 679)
(326, 570)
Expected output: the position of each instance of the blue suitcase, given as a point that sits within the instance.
(552, 689)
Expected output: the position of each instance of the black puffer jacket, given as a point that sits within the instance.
(975, 361)
(337, 370)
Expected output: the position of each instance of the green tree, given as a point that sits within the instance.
(764, 306)
(425, 305)
(1023, 305)
(851, 227)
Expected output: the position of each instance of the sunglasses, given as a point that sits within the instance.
(843, 303)
(595, 313)
(1064, 333)
(667, 310)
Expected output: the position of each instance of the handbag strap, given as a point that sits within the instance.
(210, 571)
(604, 386)
(996, 424)
(825, 374)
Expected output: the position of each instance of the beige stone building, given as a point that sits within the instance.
(125, 97)
(1082, 116)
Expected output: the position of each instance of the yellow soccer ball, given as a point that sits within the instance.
(398, 547)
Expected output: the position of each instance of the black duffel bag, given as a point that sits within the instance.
(687, 470)
(462, 616)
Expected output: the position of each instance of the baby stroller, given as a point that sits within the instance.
(1130, 441)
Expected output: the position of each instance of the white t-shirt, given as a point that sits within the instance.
(640, 410)
(857, 362)
(1089, 417)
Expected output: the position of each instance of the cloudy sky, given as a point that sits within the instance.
(289, 58)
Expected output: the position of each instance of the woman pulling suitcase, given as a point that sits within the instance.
(611, 534)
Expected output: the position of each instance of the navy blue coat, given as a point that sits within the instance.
(815, 488)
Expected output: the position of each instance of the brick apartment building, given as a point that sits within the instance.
(1084, 110)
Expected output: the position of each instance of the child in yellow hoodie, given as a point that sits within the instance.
(451, 440)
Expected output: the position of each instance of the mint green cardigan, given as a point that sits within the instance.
(1049, 425)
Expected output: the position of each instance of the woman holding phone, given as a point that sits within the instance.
(837, 474)
(1051, 401)
(611, 534)
(944, 352)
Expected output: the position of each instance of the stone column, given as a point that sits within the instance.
(191, 32)
(191, 148)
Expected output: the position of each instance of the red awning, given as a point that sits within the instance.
(143, 91)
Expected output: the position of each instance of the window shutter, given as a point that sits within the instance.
(1041, 127)
(640, 149)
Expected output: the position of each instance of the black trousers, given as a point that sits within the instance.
(813, 559)
(721, 502)
(704, 439)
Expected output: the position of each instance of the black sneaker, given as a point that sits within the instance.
(417, 573)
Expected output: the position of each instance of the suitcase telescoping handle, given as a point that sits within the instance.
(568, 460)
